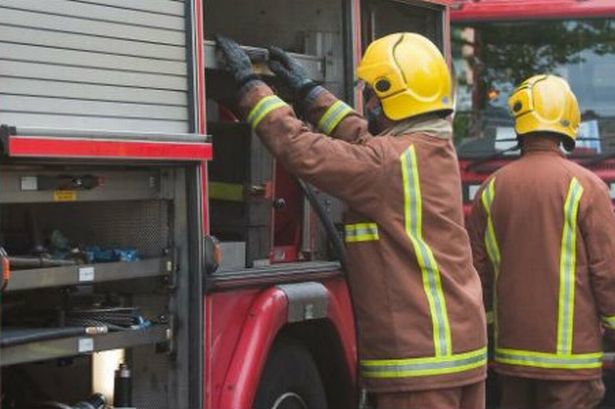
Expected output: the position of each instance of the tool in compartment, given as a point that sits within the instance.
(122, 387)
(6, 268)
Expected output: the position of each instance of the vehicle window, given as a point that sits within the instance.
(491, 58)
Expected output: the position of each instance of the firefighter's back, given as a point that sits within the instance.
(546, 313)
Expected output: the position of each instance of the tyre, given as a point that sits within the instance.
(290, 380)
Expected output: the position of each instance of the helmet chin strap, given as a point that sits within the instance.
(373, 114)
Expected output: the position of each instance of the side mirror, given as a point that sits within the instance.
(212, 254)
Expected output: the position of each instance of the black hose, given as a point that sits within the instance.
(332, 234)
(18, 336)
(338, 249)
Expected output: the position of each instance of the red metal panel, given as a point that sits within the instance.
(265, 318)
(492, 10)
(71, 148)
(244, 325)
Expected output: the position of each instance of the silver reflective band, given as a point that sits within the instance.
(334, 115)
(547, 360)
(412, 367)
(568, 262)
(361, 232)
(432, 281)
(264, 107)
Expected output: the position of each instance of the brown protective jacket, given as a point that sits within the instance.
(543, 238)
(417, 296)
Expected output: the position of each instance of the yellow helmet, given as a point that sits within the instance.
(408, 74)
(546, 103)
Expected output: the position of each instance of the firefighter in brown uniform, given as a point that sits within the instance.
(418, 299)
(543, 238)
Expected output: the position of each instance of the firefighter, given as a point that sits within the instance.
(543, 239)
(421, 321)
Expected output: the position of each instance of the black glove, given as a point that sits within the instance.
(290, 72)
(236, 60)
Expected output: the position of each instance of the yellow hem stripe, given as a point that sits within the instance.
(432, 282)
(263, 108)
(413, 367)
(548, 360)
(333, 116)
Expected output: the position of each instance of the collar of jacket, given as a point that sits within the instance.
(431, 125)
(537, 144)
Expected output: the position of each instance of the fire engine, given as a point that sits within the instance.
(153, 253)
(499, 43)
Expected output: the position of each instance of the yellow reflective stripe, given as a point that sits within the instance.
(361, 232)
(493, 250)
(567, 269)
(609, 322)
(432, 282)
(548, 360)
(491, 242)
(233, 192)
(264, 107)
(333, 116)
(412, 367)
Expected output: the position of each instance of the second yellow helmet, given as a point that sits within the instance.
(545, 103)
(408, 74)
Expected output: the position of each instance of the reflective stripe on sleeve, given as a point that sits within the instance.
(263, 108)
(413, 367)
(567, 270)
(548, 360)
(333, 116)
(432, 283)
(359, 232)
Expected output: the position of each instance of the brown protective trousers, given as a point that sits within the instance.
(527, 393)
(463, 397)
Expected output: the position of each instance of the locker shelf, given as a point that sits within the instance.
(80, 345)
(88, 274)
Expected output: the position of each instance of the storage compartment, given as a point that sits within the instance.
(255, 203)
(383, 17)
(99, 261)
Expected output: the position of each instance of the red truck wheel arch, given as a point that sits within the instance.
(266, 318)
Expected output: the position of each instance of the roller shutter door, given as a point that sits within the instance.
(94, 64)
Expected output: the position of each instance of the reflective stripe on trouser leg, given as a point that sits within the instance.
(413, 367)
(361, 232)
(493, 249)
(333, 116)
(263, 108)
(567, 269)
(432, 283)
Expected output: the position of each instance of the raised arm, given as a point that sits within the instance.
(349, 171)
(328, 114)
